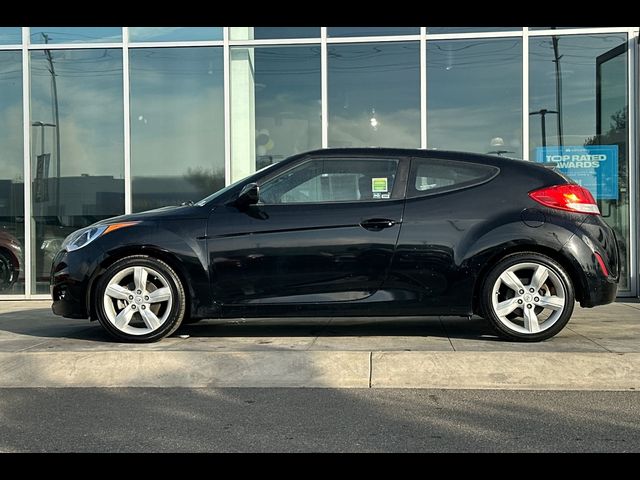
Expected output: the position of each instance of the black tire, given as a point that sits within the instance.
(8, 271)
(519, 259)
(178, 301)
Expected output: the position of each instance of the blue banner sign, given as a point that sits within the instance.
(594, 167)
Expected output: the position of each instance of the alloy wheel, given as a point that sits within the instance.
(137, 300)
(528, 298)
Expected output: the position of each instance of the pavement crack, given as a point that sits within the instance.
(590, 339)
(446, 332)
(370, 367)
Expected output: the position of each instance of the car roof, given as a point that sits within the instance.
(425, 153)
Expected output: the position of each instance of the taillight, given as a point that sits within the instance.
(571, 197)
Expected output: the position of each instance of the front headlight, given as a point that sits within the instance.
(85, 236)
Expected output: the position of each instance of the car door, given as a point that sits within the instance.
(325, 230)
(445, 205)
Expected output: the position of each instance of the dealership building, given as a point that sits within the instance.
(100, 121)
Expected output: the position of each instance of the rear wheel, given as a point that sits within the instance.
(527, 297)
(140, 299)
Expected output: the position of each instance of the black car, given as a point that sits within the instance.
(351, 232)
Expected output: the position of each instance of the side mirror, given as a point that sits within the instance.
(249, 195)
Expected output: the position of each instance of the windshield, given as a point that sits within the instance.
(224, 190)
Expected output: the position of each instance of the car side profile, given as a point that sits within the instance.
(351, 232)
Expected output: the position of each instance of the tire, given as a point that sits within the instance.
(514, 311)
(8, 271)
(125, 300)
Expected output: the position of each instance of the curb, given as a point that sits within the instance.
(323, 369)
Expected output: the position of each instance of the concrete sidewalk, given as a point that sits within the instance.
(598, 350)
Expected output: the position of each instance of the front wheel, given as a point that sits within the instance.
(527, 297)
(140, 299)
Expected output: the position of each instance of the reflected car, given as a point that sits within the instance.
(10, 264)
(351, 232)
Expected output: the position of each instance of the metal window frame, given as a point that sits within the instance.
(126, 97)
(525, 33)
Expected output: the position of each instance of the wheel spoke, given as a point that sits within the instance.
(124, 317)
(140, 278)
(539, 277)
(551, 301)
(512, 281)
(531, 320)
(160, 295)
(506, 307)
(150, 319)
(118, 292)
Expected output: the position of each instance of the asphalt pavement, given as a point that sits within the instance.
(316, 420)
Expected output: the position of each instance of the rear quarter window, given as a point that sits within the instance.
(430, 176)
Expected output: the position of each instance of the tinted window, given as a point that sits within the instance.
(435, 176)
(332, 180)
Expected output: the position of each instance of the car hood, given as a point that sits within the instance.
(163, 213)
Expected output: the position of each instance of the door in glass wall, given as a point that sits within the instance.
(77, 147)
(579, 110)
(11, 175)
(275, 105)
(177, 125)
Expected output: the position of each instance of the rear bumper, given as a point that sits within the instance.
(594, 286)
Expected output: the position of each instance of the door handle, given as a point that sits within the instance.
(377, 224)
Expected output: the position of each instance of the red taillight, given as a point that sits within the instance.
(571, 197)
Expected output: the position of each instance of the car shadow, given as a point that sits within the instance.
(42, 323)
(454, 327)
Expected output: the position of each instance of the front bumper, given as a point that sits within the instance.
(71, 278)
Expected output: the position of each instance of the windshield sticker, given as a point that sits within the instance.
(379, 185)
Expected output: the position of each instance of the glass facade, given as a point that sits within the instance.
(374, 95)
(12, 242)
(177, 125)
(111, 120)
(77, 147)
(474, 95)
(579, 102)
(275, 105)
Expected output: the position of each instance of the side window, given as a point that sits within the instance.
(432, 175)
(332, 180)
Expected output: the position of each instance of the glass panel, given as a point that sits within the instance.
(177, 125)
(371, 31)
(430, 176)
(474, 95)
(435, 30)
(334, 180)
(275, 105)
(374, 95)
(258, 33)
(174, 34)
(75, 34)
(77, 146)
(10, 35)
(11, 175)
(579, 109)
